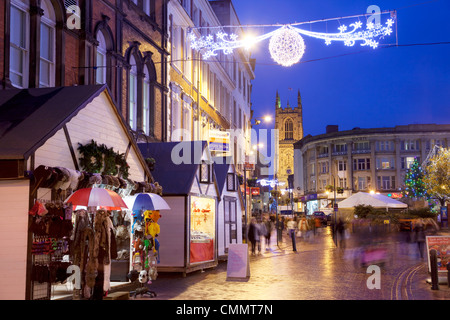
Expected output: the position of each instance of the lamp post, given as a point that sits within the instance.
(266, 119)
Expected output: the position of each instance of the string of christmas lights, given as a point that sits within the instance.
(286, 43)
(414, 184)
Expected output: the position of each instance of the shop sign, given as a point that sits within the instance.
(243, 190)
(219, 140)
(255, 191)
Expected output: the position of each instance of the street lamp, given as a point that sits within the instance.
(266, 119)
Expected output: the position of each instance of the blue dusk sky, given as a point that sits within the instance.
(356, 86)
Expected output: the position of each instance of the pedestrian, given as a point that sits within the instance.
(291, 227)
(340, 229)
(269, 227)
(254, 236)
(420, 236)
(280, 228)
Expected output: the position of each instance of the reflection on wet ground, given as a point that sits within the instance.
(317, 271)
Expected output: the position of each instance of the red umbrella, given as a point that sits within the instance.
(94, 197)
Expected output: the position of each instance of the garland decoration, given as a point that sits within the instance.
(286, 44)
(101, 159)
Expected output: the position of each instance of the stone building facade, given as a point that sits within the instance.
(362, 159)
(55, 43)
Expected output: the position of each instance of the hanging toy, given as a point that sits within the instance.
(152, 271)
(143, 277)
(137, 262)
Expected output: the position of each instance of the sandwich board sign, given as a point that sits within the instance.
(238, 267)
(442, 246)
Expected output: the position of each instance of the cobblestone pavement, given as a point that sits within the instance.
(317, 271)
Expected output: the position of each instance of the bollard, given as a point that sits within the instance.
(434, 270)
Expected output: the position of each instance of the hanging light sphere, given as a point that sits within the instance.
(286, 46)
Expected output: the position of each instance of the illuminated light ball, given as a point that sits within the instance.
(286, 47)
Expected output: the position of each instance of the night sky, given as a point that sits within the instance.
(356, 86)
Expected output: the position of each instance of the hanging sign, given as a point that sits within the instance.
(219, 140)
(255, 191)
(238, 267)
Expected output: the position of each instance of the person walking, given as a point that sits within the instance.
(340, 229)
(292, 226)
(254, 236)
(420, 236)
(269, 227)
(280, 228)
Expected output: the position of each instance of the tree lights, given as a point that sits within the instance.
(286, 44)
(414, 182)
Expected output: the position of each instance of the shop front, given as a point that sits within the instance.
(57, 142)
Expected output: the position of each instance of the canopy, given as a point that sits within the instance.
(374, 200)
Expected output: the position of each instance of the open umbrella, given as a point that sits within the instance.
(146, 201)
(94, 197)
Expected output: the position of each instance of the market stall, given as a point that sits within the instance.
(55, 142)
(231, 208)
(190, 238)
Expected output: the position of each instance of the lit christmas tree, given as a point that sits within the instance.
(414, 185)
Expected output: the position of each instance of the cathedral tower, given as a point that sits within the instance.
(289, 123)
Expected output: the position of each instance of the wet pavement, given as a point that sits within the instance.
(317, 271)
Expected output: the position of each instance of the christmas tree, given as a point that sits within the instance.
(414, 185)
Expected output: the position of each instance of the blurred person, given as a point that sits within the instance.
(340, 230)
(254, 235)
(419, 231)
(269, 227)
(291, 227)
(280, 228)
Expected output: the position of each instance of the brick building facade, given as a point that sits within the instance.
(48, 43)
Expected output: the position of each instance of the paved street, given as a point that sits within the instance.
(317, 271)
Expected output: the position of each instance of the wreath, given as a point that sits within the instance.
(96, 157)
(92, 157)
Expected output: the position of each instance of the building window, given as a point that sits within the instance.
(187, 118)
(385, 163)
(19, 45)
(406, 162)
(362, 146)
(132, 96)
(362, 183)
(100, 73)
(409, 145)
(324, 167)
(205, 173)
(288, 130)
(340, 148)
(361, 164)
(384, 146)
(149, 8)
(231, 182)
(146, 102)
(386, 182)
(47, 46)
(342, 165)
(343, 183)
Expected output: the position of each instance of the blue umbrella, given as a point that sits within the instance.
(146, 201)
